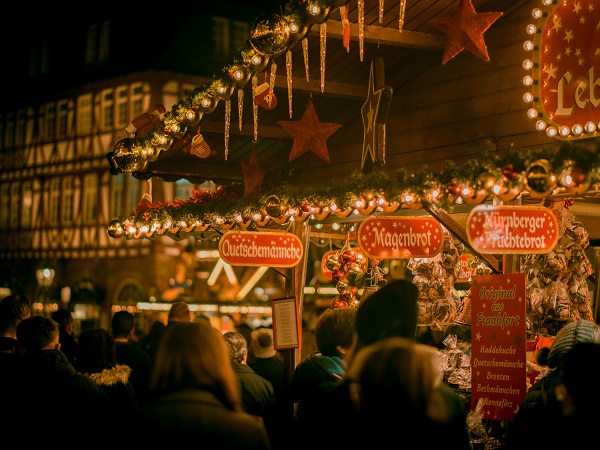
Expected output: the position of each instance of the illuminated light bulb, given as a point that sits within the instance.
(256, 60)
(547, 2)
(532, 113)
(435, 193)
(381, 201)
(537, 13)
(292, 212)
(131, 229)
(540, 125)
(577, 129)
(190, 114)
(162, 139)
(205, 102)
(336, 226)
(238, 75)
(221, 89)
(318, 226)
(551, 131)
(466, 191)
(590, 127)
(220, 220)
(256, 216)
(497, 188)
(144, 229)
(528, 45)
(334, 207)
(528, 64)
(315, 10)
(564, 131)
(459, 201)
(528, 80)
(294, 28)
(176, 128)
(239, 218)
(183, 224)
(408, 198)
(528, 97)
(359, 203)
(531, 29)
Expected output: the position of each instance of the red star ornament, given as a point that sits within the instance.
(465, 30)
(253, 176)
(309, 134)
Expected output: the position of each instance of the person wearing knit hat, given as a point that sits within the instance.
(581, 331)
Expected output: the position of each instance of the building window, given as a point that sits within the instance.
(137, 100)
(122, 107)
(90, 198)
(15, 203)
(68, 195)
(118, 187)
(54, 202)
(108, 109)
(84, 114)
(104, 47)
(20, 128)
(241, 33)
(10, 130)
(221, 43)
(183, 189)
(50, 121)
(90, 47)
(63, 119)
(27, 204)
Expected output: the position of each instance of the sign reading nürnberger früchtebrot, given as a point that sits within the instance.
(512, 229)
(245, 248)
(400, 237)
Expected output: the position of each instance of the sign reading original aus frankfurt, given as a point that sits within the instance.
(400, 237)
(245, 248)
(512, 229)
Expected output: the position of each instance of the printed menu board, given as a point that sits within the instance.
(498, 344)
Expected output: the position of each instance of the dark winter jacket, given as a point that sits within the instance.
(121, 396)
(131, 354)
(197, 414)
(53, 394)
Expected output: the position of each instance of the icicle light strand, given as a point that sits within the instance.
(305, 53)
(361, 28)
(401, 16)
(255, 107)
(323, 42)
(227, 125)
(240, 106)
(272, 77)
(288, 68)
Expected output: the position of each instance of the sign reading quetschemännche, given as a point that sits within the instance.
(400, 237)
(498, 344)
(512, 229)
(245, 248)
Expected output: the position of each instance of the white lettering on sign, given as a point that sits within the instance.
(398, 240)
(251, 250)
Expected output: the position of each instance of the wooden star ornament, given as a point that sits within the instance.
(374, 116)
(465, 30)
(253, 176)
(309, 134)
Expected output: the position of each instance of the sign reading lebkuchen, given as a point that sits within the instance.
(245, 248)
(400, 237)
(512, 229)
(498, 344)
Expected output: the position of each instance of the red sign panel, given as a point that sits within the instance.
(245, 248)
(400, 237)
(465, 267)
(499, 344)
(512, 229)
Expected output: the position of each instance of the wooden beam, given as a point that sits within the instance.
(332, 88)
(264, 131)
(386, 36)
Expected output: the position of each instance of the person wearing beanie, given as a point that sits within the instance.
(392, 311)
(541, 409)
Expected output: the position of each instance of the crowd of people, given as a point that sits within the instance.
(370, 381)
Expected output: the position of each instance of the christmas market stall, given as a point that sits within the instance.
(454, 140)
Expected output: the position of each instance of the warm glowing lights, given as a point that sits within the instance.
(537, 13)
(540, 125)
(528, 80)
(551, 131)
(532, 113)
(528, 64)
(590, 127)
(315, 10)
(564, 131)
(528, 45)
(222, 266)
(256, 60)
(531, 29)
(256, 276)
(238, 75)
(528, 97)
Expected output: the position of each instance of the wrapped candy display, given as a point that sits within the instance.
(438, 300)
(557, 289)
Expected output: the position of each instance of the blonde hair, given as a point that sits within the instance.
(194, 355)
(396, 371)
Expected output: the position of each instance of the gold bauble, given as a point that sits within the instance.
(539, 179)
(270, 34)
(128, 155)
(273, 206)
(115, 229)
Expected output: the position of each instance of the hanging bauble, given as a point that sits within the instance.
(348, 256)
(273, 206)
(452, 191)
(339, 302)
(339, 274)
(539, 179)
(115, 229)
(508, 194)
(355, 273)
(128, 155)
(362, 260)
(574, 179)
(368, 195)
(333, 262)
(270, 34)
